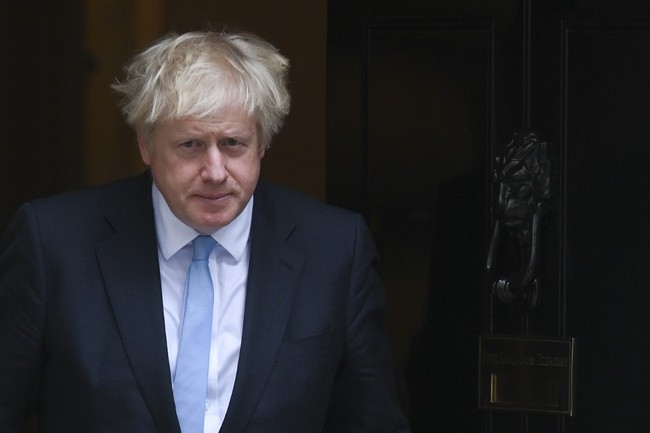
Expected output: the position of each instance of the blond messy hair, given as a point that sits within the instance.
(197, 74)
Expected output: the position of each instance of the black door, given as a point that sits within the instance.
(422, 98)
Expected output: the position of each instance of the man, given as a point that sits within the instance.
(104, 324)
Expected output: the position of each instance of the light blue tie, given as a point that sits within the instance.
(191, 378)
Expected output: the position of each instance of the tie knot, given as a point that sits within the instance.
(203, 246)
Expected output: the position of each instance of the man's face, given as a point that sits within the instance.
(205, 169)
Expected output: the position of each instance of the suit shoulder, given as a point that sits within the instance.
(85, 210)
(95, 197)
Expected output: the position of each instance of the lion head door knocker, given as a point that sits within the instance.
(522, 176)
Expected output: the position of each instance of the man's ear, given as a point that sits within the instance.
(145, 154)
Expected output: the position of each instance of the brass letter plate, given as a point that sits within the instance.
(526, 373)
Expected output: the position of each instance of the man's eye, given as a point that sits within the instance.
(189, 144)
(231, 142)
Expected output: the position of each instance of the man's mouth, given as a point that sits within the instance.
(212, 196)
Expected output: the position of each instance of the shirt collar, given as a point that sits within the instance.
(173, 234)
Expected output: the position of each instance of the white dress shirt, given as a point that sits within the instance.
(228, 265)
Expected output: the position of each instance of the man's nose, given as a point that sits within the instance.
(214, 168)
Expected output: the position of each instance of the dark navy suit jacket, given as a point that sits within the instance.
(82, 337)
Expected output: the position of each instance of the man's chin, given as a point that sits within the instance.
(211, 224)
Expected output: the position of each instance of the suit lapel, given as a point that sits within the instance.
(129, 264)
(274, 274)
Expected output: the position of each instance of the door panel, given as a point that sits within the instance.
(607, 178)
(428, 123)
(421, 99)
